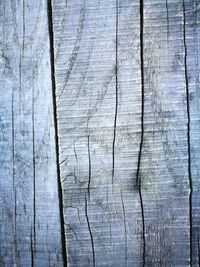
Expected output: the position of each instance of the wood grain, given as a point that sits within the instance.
(125, 131)
(29, 213)
(192, 43)
(165, 162)
(98, 82)
(100, 130)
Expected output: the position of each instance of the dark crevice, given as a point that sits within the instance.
(23, 43)
(116, 95)
(89, 165)
(50, 259)
(33, 159)
(60, 194)
(75, 154)
(125, 230)
(70, 175)
(71, 229)
(188, 129)
(13, 151)
(138, 176)
(20, 78)
(64, 160)
(13, 178)
(32, 249)
(198, 246)
(167, 11)
(22, 50)
(90, 232)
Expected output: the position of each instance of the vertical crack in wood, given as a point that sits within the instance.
(138, 178)
(33, 160)
(116, 94)
(125, 230)
(13, 178)
(167, 11)
(89, 166)
(20, 77)
(188, 130)
(60, 194)
(32, 249)
(23, 34)
(198, 251)
(75, 154)
(90, 232)
(22, 49)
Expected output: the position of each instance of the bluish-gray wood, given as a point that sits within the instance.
(192, 46)
(125, 131)
(98, 82)
(122, 77)
(29, 210)
(165, 176)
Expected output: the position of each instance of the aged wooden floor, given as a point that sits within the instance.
(99, 133)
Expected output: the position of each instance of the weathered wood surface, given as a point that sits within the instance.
(192, 68)
(98, 83)
(123, 142)
(29, 209)
(164, 163)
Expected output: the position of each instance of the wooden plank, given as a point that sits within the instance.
(165, 159)
(29, 213)
(109, 166)
(192, 46)
(98, 83)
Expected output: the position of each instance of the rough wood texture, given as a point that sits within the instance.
(29, 210)
(100, 133)
(126, 131)
(98, 82)
(192, 68)
(165, 163)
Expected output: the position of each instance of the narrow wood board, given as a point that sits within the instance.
(98, 87)
(125, 127)
(29, 208)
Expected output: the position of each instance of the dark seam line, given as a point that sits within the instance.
(89, 166)
(75, 152)
(60, 194)
(116, 95)
(188, 129)
(125, 230)
(167, 11)
(23, 34)
(13, 155)
(90, 232)
(33, 160)
(138, 178)
(32, 253)
(198, 251)
(13, 176)
(20, 78)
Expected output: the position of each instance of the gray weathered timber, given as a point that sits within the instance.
(192, 68)
(164, 164)
(99, 133)
(125, 130)
(29, 209)
(98, 82)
